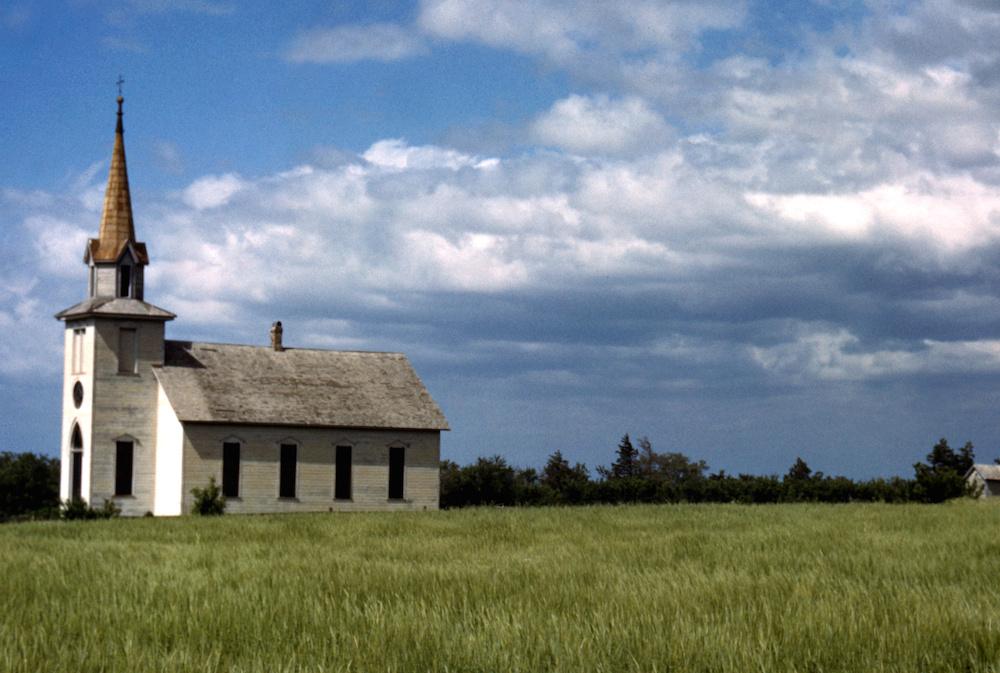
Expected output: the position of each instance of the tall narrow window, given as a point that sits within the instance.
(76, 457)
(123, 468)
(396, 461)
(124, 281)
(127, 344)
(286, 486)
(231, 469)
(342, 485)
(77, 354)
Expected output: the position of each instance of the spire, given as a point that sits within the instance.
(117, 229)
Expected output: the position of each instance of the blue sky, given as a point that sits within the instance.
(749, 230)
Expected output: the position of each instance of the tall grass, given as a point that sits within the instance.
(644, 588)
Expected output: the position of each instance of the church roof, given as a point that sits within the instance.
(114, 307)
(117, 228)
(226, 383)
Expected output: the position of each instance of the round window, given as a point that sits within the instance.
(78, 394)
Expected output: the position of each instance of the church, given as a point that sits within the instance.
(147, 419)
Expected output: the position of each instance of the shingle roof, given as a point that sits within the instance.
(225, 383)
(986, 471)
(124, 307)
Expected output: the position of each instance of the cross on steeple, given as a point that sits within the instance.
(119, 83)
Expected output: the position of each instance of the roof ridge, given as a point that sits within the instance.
(286, 348)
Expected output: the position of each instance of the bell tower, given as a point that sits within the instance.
(112, 340)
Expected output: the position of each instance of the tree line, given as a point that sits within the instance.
(29, 483)
(642, 474)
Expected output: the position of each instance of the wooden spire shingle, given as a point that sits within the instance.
(117, 228)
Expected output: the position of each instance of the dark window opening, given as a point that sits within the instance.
(124, 280)
(123, 468)
(231, 469)
(342, 486)
(76, 444)
(395, 473)
(77, 394)
(126, 351)
(77, 487)
(286, 486)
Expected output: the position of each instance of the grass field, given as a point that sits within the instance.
(646, 588)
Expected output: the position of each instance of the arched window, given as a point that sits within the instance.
(124, 281)
(76, 463)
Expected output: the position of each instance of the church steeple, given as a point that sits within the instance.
(117, 230)
(115, 258)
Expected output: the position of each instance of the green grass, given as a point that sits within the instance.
(647, 588)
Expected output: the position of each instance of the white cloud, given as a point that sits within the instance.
(59, 244)
(24, 318)
(212, 191)
(565, 31)
(396, 154)
(599, 125)
(344, 44)
(951, 213)
(838, 355)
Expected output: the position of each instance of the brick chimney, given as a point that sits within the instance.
(276, 332)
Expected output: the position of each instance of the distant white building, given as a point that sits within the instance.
(986, 478)
(146, 419)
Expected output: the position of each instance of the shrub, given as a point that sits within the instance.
(208, 501)
(78, 510)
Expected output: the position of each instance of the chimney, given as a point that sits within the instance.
(276, 336)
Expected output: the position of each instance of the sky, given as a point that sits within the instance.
(751, 230)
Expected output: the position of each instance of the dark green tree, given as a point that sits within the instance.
(671, 467)
(799, 471)
(29, 486)
(942, 477)
(568, 484)
(943, 457)
(626, 465)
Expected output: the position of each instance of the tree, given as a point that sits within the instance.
(671, 467)
(943, 476)
(626, 465)
(799, 471)
(568, 484)
(943, 457)
(491, 481)
(451, 485)
(29, 486)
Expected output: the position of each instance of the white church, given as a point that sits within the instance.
(147, 419)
